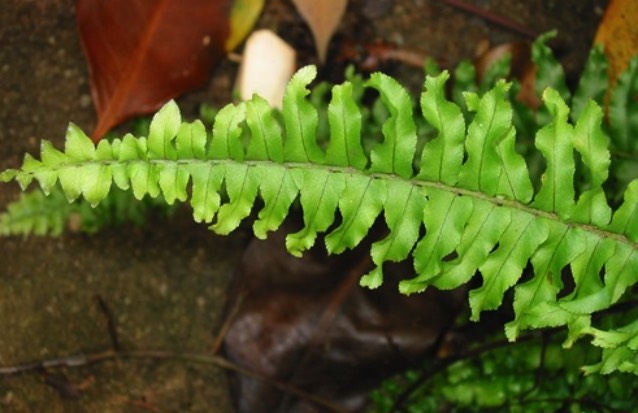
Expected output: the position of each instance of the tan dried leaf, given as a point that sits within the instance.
(323, 17)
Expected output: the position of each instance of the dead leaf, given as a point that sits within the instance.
(323, 17)
(142, 53)
(306, 322)
(618, 32)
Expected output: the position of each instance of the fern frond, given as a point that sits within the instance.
(36, 213)
(533, 376)
(469, 197)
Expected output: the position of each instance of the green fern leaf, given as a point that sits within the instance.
(466, 205)
(493, 119)
(344, 117)
(319, 205)
(446, 224)
(362, 198)
(361, 203)
(301, 120)
(503, 268)
(403, 216)
(444, 154)
(555, 143)
(531, 299)
(36, 213)
(396, 153)
(276, 183)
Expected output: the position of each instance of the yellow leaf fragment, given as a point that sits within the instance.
(243, 15)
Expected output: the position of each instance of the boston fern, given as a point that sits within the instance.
(461, 205)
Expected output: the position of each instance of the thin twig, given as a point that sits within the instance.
(230, 317)
(493, 18)
(110, 321)
(82, 360)
(329, 314)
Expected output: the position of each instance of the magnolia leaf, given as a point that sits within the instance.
(142, 53)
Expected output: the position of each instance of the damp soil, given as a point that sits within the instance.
(163, 286)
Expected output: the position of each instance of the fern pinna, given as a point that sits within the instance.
(465, 204)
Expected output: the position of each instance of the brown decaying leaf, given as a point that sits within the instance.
(323, 17)
(142, 53)
(305, 321)
(618, 32)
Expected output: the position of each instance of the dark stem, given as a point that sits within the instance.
(82, 360)
(493, 18)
